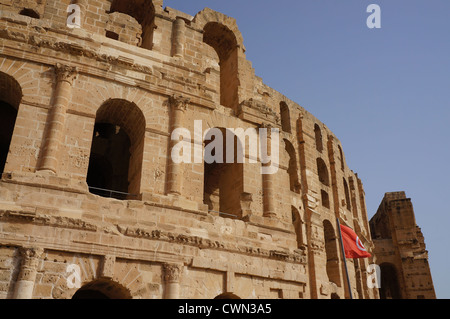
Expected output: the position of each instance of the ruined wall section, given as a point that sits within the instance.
(400, 249)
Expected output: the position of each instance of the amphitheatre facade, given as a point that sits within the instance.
(92, 203)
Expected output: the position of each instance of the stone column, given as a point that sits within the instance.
(172, 274)
(65, 76)
(268, 180)
(178, 106)
(28, 270)
(179, 38)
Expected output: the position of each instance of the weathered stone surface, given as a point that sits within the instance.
(91, 199)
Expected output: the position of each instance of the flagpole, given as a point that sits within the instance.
(345, 259)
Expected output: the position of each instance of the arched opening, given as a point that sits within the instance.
(115, 164)
(322, 171)
(102, 289)
(227, 295)
(10, 98)
(341, 154)
(332, 256)
(285, 117)
(318, 138)
(347, 195)
(298, 226)
(292, 168)
(223, 178)
(325, 199)
(29, 13)
(143, 12)
(224, 42)
(390, 288)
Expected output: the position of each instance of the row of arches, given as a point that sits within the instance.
(319, 145)
(134, 22)
(220, 37)
(389, 286)
(115, 165)
(116, 154)
(109, 289)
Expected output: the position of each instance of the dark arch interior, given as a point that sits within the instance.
(29, 13)
(144, 13)
(109, 161)
(89, 294)
(223, 182)
(390, 288)
(224, 43)
(8, 116)
(102, 289)
(331, 248)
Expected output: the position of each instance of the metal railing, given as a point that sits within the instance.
(224, 214)
(109, 193)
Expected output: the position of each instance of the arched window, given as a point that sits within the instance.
(102, 289)
(298, 226)
(285, 117)
(115, 164)
(142, 11)
(341, 157)
(292, 168)
(325, 199)
(331, 249)
(223, 182)
(224, 42)
(390, 288)
(10, 98)
(347, 195)
(318, 137)
(322, 171)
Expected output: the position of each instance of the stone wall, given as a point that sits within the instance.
(164, 70)
(400, 250)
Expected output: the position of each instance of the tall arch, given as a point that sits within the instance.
(143, 11)
(227, 295)
(322, 171)
(390, 287)
(10, 98)
(294, 182)
(341, 154)
(115, 164)
(285, 117)
(318, 138)
(223, 179)
(298, 226)
(331, 250)
(224, 42)
(347, 194)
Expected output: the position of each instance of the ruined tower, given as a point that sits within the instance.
(400, 250)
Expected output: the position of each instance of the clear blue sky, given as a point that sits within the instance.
(385, 92)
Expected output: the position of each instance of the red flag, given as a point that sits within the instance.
(353, 246)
